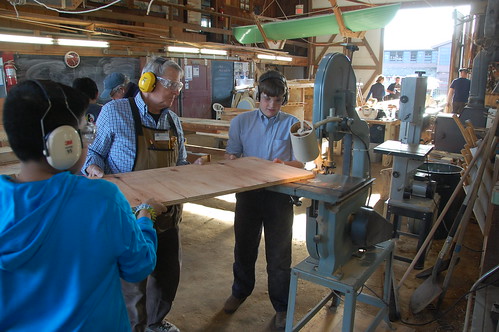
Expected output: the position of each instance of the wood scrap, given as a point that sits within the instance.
(464, 132)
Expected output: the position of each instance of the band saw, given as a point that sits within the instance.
(346, 240)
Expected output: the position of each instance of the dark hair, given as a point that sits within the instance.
(25, 106)
(87, 86)
(273, 84)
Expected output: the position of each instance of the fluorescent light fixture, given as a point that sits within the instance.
(183, 49)
(273, 57)
(265, 57)
(26, 39)
(81, 42)
(212, 51)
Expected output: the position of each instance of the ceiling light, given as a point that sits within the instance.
(266, 56)
(283, 58)
(183, 49)
(26, 39)
(212, 51)
(81, 42)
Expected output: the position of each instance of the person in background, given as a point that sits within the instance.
(61, 262)
(394, 89)
(377, 89)
(136, 134)
(459, 91)
(88, 87)
(117, 86)
(263, 133)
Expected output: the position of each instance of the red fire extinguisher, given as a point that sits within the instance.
(10, 73)
(221, 11)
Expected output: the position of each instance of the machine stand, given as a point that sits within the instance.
(354, 274)
(423, 209)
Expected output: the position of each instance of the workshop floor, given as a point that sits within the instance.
(207, 240)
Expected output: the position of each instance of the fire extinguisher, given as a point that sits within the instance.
(221, 11)
(10, 73)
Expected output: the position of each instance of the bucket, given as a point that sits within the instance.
(447, 177)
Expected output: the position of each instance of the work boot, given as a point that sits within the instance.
(280, 320)
(232, 303)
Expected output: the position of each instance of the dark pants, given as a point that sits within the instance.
(458, 107)
(150, 300)
(274, 213)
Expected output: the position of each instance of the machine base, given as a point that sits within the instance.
(347, 281)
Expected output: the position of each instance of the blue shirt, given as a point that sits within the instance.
(461, 88)
(114, 147)
(64, 244)
(252, 134)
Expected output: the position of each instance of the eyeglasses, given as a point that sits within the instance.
(167, 84)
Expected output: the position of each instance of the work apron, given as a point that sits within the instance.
(157, 148)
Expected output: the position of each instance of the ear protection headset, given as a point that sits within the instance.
(274, 74)
(62, 146)
(147, 81)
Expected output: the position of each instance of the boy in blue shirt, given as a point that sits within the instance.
(263, 133)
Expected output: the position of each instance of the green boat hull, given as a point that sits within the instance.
(358, 20)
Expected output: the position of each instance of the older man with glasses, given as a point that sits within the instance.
(136, 134)
(117, 86)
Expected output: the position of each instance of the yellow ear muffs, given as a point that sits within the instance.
(147, 82)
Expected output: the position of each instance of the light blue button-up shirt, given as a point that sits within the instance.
(252, 134)
(114, 147)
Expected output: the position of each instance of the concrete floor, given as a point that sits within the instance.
(207, 240)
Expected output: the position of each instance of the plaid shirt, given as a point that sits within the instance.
(114, 147)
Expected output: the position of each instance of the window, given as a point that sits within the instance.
(396, 55)
(428, 56)
(414, 56)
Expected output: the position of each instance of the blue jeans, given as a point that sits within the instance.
(272, 212)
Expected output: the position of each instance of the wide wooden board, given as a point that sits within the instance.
(180, 184)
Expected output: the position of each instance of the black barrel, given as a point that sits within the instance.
(447, 177)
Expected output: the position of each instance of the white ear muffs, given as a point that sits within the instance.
(63, 147)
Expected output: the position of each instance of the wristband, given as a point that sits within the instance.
(147, 207)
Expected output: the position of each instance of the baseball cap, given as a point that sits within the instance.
(464, 69)
(112, 81)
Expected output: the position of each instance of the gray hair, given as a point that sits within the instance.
(116, 89)
(158, 65)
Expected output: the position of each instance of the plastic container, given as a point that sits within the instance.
(447, 177)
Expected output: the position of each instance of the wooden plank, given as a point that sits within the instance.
(180, 184)
(205, 149)
(204, 125)
(7, 156)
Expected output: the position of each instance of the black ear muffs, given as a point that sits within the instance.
(62, 147)
(274, 74)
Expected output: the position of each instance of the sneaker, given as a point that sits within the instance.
(280, 320)
(232, 303)
(163, 327)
